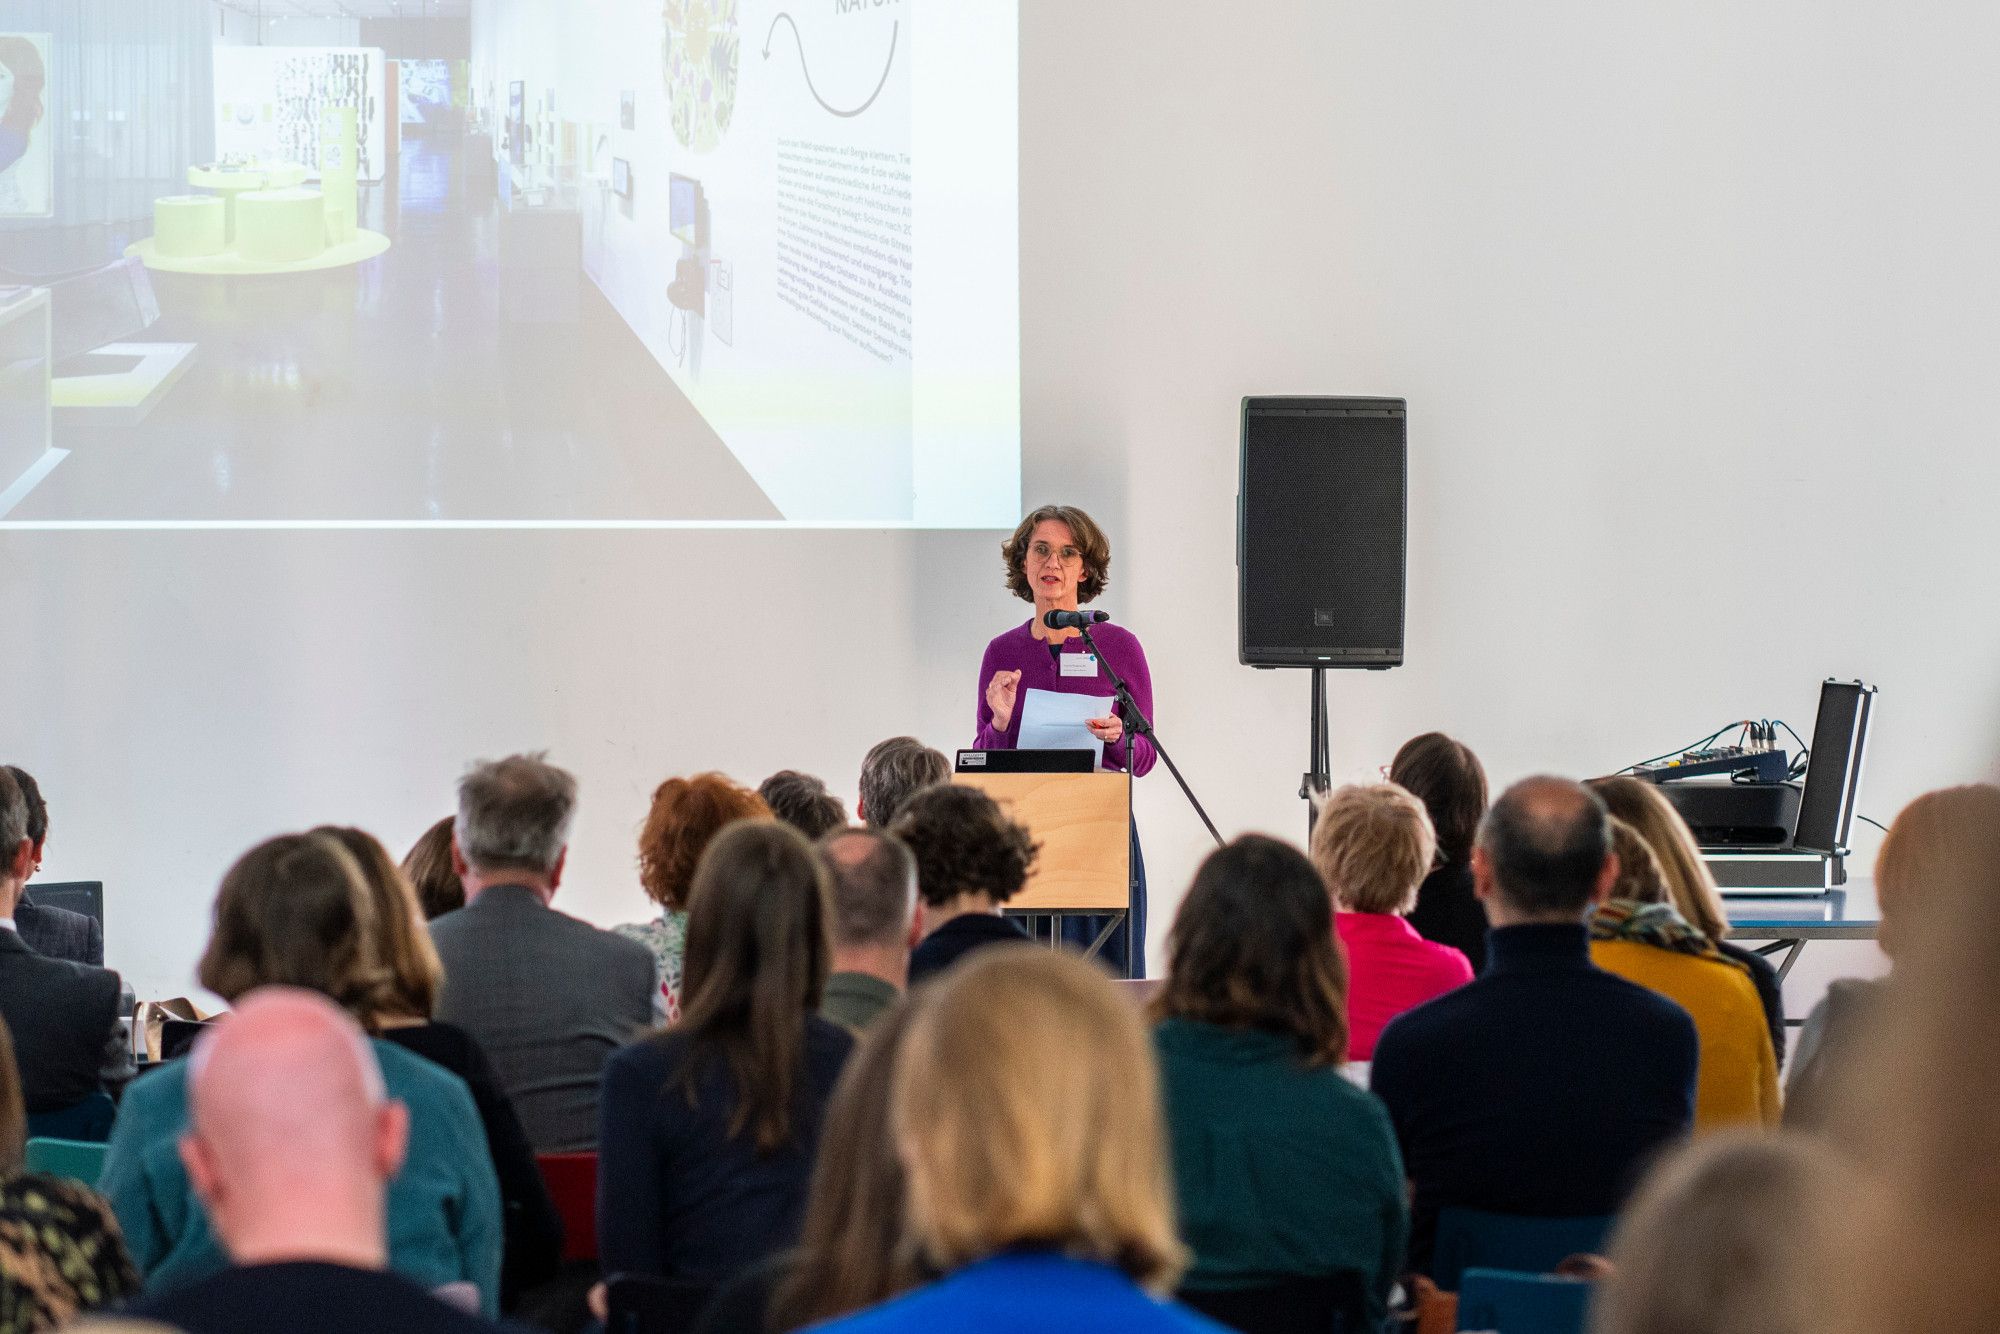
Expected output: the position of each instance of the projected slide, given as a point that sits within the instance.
(617, 263)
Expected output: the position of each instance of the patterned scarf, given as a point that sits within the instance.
(1655, 924)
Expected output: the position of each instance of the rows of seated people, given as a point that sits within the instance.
(832, 1084)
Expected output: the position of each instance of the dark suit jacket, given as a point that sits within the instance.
(549, 998)
(58, 933)
(64, 1018)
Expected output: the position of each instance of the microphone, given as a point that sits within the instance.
(1074, 620)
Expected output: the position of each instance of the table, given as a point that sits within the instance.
(229, 182)
(1788, 921)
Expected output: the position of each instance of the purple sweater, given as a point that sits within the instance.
(1019, 651)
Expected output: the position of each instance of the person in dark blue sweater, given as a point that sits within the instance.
(1547, 1085)
(707, 1132)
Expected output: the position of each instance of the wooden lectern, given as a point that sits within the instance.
(1083, 823)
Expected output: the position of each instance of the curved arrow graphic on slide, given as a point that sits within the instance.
(880, 83)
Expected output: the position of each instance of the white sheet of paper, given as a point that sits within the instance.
(1052, 720)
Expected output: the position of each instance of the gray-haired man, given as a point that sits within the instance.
(549, 997)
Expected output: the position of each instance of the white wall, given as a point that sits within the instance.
(235, 28)
(1693, 303)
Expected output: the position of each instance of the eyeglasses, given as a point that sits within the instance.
(1041, 551)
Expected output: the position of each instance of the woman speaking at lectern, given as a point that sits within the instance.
(1059, 559)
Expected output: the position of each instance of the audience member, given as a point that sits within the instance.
(1374, 845)
(60, 1252)
(851, 1252)
(54, 933)
(1917, 1240)
(1544, 1086)
(294, 911)
(548, 997)
(291, 1143)
(1637, 934)
(533, 1228)
(892, 772)
(803, 802)
(708, 1130)
(970, 860)
(1037, 1188)
(872, 924)
(431, 873)
(1722, 1238)
(1690, 886)
(1942, 838)
(687, 813)
(64, 1015)
(1284, 1169)
(1448, 779)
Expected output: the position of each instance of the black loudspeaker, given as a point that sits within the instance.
(1320, 549)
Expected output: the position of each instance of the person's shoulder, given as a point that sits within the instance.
(1439, 1020)
(414, 1078)
(1629, 1002)
(1447, 961)
(243, 1298)
(826, 1039)
(71, 1207)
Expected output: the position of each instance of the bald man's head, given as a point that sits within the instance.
(289, 1119)
(1545, 849)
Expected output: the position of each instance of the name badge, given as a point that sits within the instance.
(1079, 664)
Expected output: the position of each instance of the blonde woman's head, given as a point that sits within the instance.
(1373, 845)
(1690, 887)
(1006, 1148)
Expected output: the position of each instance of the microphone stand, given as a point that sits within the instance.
(1137, 724)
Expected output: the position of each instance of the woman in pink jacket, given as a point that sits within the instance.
(1373, 845)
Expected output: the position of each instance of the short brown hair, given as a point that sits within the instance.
(874, 891)
(1090, 541)
(757, 961)
(964, 844)
(1253, 947)
(431, 874)
(1639, 877)
(295, 911)
(686, 815)
(1004, 1148)
(415, 974)
(1447, 777)
(1724, 1234)
(803, 802)
(895, 770)
(1690, 887)
(1374, 846)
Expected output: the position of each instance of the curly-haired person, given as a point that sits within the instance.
(971, 859)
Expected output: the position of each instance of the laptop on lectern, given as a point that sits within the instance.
(1026, 761)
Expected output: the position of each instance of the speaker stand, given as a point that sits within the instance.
(1319, 775)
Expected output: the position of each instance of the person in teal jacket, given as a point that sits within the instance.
(294, 911)
(1282, 1167)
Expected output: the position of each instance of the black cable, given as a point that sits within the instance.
(1877, 823)
(1805, 751)
(1682, 750)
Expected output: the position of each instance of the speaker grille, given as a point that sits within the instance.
(1321, 538)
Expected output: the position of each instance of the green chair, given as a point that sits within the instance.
(75, 1159)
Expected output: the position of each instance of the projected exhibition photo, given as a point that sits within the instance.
(493, 262)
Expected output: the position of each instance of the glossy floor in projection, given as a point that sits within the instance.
(398, 390)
